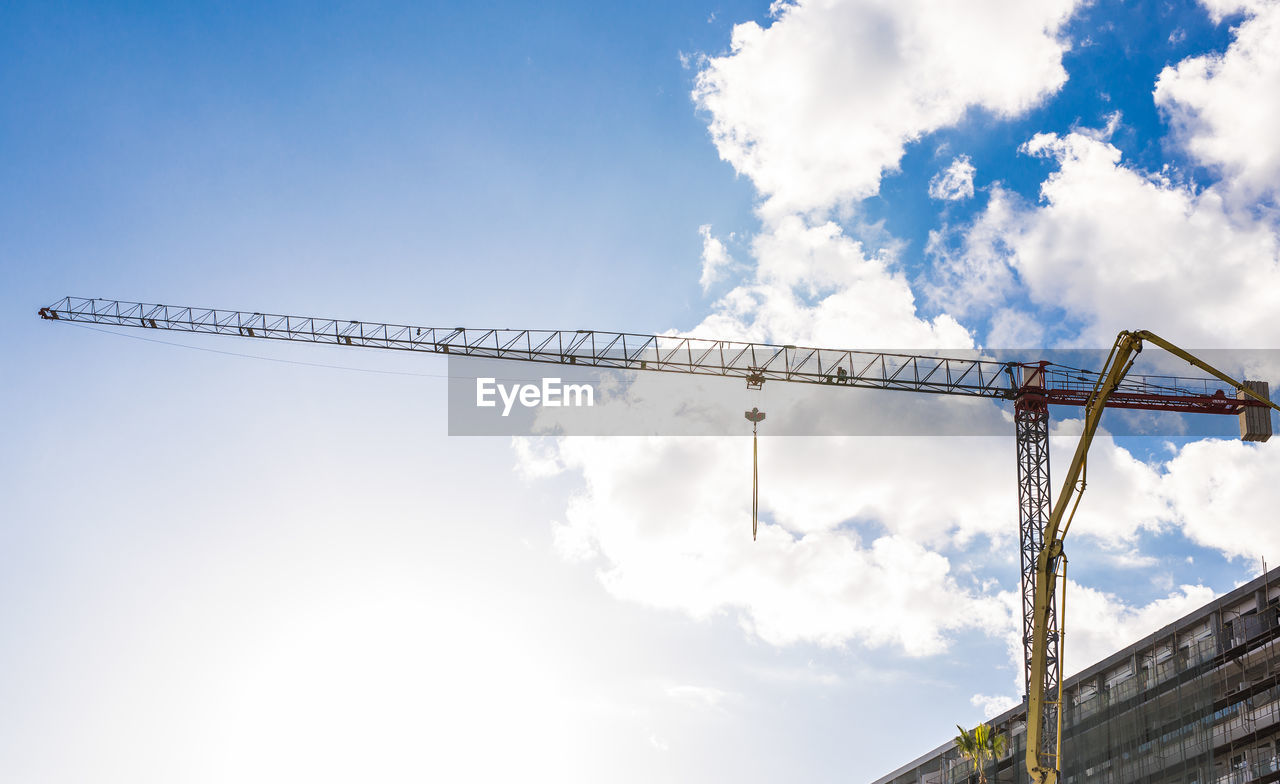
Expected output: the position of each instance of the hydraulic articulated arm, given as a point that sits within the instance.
(1042, 767)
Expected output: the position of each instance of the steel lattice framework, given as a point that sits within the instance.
(1035, 498)
(1032, 386)
(756, 362)
(753, 361)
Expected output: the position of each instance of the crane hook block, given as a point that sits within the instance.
(755, 415)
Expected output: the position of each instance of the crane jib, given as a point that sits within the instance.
(976, 376)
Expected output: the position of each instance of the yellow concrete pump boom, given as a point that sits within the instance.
(1044, 768)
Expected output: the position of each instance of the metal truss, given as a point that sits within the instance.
(1035, 501)
(754, 362)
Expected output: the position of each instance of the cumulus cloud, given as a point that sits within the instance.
(1225, 495)
(815, 107)
(852, 550)
(849, 551)
(977, 277)
(993, 706)
(815, 285)
(1123, 498)
(1215, 101)
(1099, 623)
(863, 540)
(1014, 328)
(1114, 247)
(1118, 248)
(955, 182)
(810, 577)
(535, 459)
(715, 258)
(692, 696)
(1220, 9)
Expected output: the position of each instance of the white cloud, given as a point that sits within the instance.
(1099, 623)
(715, 258)
(1225, 495)
(1013, 328)
(818, 105)
(978, 277)
(1218, 493)
(1117, 248)
(1133, 559)
(1120, 249)
(955, 182)
(815, 285)
(863, 540)
(536, 458)
(856, 547)
(1218, 103)
(1219, 9)
(809, 674)
(993, 706)
(809, 578)
(1123, 498)
(705, 697)
(850, 551)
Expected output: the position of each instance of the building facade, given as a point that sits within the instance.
(1197, 702)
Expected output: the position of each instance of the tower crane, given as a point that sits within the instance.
(1031, 386)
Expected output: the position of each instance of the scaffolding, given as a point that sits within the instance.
(1197, 702)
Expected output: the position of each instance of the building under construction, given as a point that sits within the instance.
(1197, 702)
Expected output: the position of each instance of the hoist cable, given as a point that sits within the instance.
(755, 482)
(755, 416)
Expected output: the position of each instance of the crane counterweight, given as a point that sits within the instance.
(1255, 421)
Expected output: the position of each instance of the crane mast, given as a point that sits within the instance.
(1032, 387)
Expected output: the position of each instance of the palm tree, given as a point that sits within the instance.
(980, 745)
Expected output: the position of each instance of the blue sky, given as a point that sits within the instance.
(219, 566)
